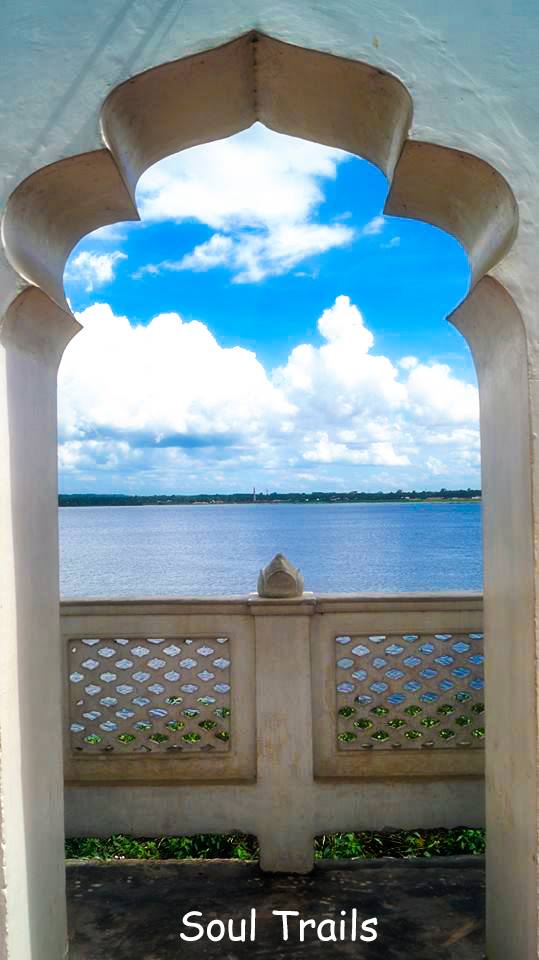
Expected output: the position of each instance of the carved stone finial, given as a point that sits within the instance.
(280, 579)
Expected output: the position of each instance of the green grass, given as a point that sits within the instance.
(400, 844)
(202, 846)
(239, 846)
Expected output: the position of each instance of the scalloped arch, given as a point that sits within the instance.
(368, 112)
(211, 95)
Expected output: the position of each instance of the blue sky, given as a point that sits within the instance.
(265, 325)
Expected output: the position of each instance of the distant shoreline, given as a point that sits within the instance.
(316, 499)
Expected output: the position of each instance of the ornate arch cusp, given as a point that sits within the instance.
(210, 95)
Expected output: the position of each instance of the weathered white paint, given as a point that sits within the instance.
(494, 330)
(31, 796)
(144, 811)
(472, 73)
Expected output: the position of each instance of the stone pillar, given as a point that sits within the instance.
(284, 812)
(32, 898)
(493, 327)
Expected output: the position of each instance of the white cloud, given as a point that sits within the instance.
(217, 251)
(435, 466)
(324, 450)
(112, 232)
(259, 190)
(167, 383)
(166, 406)
(254, 257)
(436, 396)
(342, 374)
(408, 363)
(285, 247)
(373, 227)
(93, 270)
(255, 179)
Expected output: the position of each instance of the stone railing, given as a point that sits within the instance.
(281, 717)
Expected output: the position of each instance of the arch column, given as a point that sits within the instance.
(32, 895)
(493, 327)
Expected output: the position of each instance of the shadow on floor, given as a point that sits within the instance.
(133, 910)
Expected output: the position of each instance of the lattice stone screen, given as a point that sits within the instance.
(409, 690)
(149, 695)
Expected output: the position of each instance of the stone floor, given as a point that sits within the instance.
(426, 909)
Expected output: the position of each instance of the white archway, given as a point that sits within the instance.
(365, 111)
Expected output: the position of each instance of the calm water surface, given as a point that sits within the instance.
(194, 550)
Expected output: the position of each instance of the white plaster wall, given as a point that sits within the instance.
(471, 69)
(160, 811)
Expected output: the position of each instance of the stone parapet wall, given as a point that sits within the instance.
(284, 718)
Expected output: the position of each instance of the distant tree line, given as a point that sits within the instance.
(354, 496)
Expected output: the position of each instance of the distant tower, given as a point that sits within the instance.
(254, 495)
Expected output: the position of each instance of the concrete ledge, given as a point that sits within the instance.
(255, 605)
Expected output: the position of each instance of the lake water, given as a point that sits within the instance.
(212, 550)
